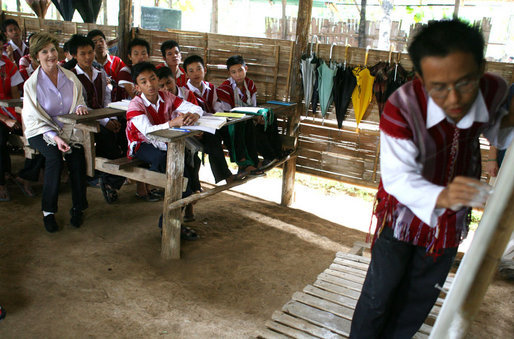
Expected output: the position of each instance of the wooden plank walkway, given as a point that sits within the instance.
(325, 308)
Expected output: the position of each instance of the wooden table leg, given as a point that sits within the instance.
(89, 151)
(172, 219)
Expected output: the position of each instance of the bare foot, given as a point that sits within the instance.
(4, 194)
(25, 186)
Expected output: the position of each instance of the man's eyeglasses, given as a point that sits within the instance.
(463, 86)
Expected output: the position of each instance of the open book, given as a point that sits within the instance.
(123, 104)
(208, 123)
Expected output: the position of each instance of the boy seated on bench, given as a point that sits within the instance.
(240, 91)
(111, 142)
(138, 51)
(111, 63)
(155, 110)
(172, 58)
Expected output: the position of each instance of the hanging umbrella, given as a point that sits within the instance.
(307, 69)
(344, 84)
(65, 8)
(39, 7)
(363, 92)
(396, 77)
(316, 62)
(326, 83)
(88, 9)
(380, 71)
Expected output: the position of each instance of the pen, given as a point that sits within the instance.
(180, 129)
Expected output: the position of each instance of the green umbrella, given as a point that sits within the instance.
(326, 83)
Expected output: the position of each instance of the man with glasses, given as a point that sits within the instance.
(430, 171)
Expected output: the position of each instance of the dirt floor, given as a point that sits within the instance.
(106, 279)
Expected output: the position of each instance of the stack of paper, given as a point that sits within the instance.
(123, 104)
(208, 123)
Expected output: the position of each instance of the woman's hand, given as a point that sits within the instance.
(12, 123)
(61, 144)
(81, 110)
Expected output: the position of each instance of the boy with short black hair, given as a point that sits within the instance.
(154, 110)
(138, 51)
(211, 142)
(240, 91)
(167, 83)
(15, 48)
(111, 63)
(110, 141)
(172, 58)
(204, 91)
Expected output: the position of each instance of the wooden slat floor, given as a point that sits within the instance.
(325, 308)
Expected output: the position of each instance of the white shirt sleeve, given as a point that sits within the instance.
(222, 106)
(187, 107)
(254, 100)
(144, 126)
(402, 178)
(16, 79)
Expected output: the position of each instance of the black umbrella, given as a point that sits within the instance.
(396, 76)
(344, 84)
(88, 9)
(65, 7)
(316, 62)
(381, 72)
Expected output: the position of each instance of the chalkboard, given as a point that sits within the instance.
(159, 19)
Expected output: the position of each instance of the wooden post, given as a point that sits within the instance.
(479, 264)
(302, 34)
(284, 20)
(172, 219)
(124, 25)
(214, 17)
(362, 25)
(456, 9)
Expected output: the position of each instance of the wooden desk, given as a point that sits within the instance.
(11, 103)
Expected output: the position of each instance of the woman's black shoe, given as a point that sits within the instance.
(76, 217)
(50, 223)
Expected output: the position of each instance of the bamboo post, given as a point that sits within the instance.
(214, 17)
(479, 264)
(124, 24)
(172, 218)
(302, 33)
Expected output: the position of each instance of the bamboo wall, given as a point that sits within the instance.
(268, 60)
(324, 150)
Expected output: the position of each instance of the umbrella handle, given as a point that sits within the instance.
(312, 42)
(331, 48)
(366, 56)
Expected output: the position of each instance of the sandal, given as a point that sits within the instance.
(148, 197)
(6, 196)
(109, 193)
(187, 233)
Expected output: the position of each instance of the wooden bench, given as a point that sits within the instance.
(325, 308)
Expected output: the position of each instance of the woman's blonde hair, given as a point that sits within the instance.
(39, 41)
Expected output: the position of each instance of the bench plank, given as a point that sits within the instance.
(134, 173)
(303, 325)
(322, 318)
(324, 305)
(122, 163)
(292, 332)
(333, 297)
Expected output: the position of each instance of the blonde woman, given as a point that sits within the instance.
(52, 91)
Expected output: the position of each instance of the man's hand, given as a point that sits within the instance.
(10, 52)
(461, 192)
(491, 168)
(81, 110)
(190, 119)
(178, 121)
(113, 126)
(61, 144)
(12, 123)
